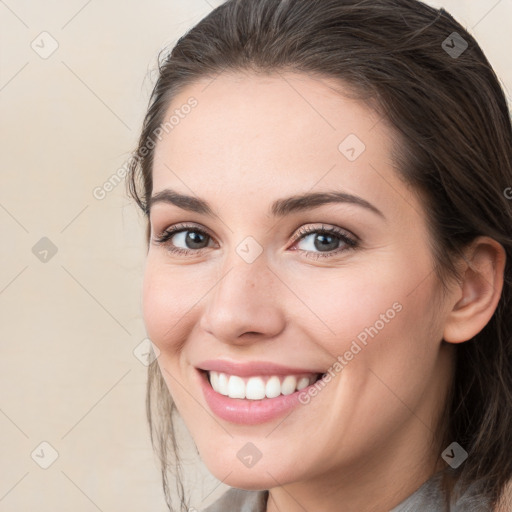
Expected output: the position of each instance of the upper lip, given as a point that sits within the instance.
(250, 368)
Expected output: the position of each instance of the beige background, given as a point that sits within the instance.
(69, 325)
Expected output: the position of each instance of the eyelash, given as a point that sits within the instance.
(350, 240)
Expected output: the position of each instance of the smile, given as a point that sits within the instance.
(253, 393)
(259, 387)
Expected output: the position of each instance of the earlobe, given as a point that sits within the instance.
(481, 286)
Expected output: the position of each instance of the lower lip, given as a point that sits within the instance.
(248, 412)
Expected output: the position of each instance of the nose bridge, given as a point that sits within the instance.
(243, 299)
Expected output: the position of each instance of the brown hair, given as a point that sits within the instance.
(455, 148)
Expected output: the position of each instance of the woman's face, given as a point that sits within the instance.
(299, 252)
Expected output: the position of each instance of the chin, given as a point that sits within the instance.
(261, 476)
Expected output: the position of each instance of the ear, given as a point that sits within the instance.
(479, 291)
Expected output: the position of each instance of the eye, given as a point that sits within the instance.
(327, 242)
(191, 238)
(316, 242)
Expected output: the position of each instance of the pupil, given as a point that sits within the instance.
(193, 238)
(324, 244)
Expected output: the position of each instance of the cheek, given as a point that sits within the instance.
(384, 314)
(390, 346)
(386, 348)
(167, 317)
(156, 300)
(168, 299)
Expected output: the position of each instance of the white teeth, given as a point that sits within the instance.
(257, 388)
(222, 384)
(273, 387)
(214, 379)
(289, 385)
(236, 387)
(303, 383)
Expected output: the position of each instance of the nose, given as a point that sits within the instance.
(243, 307)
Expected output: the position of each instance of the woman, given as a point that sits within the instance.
(328, 277)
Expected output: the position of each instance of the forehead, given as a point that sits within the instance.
(253, 136)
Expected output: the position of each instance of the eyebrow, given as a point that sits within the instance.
(279, 208)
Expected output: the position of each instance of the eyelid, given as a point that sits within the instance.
(303, 231)
(299, 234)
(183, 226)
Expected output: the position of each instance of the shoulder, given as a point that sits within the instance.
(237, 500)
(435, 496)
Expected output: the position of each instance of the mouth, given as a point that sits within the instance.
(253, 393)
(259, 387)
(254, 399)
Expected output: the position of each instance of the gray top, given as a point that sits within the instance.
(428, 498)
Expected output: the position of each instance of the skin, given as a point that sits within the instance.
(367, 440)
